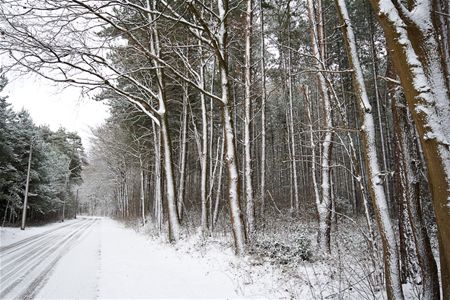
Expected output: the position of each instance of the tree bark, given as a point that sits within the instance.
(250, 207)
(183, 151)
(412, 39)
(158, 208)
(141, 188)
(204, 149)
(174, 222)
(324, 208)
(237, 223)
(392, 270)
(263, 112)
(408, 160)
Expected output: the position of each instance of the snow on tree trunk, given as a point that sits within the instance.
(324, 207)
(219, 185)
(158, 208)
(204, 151)
(174, 223)
(292, 145)
(250, 208)
(313, 147)
(412, 39)
(237, 223)
(181, 185)
(392, 270)
(408, 161)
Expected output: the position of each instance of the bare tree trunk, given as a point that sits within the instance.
(292, 144)
(392, 270)
(174, 222)
(263, 112)
(412, 40)
(174, 225)
(157, 182)
(237, 223)
(247, 120)
(142, 178)
(408, 160)
(204, 149)
(6, 213)
(379, 116)
(211, 142)
(441, 19)
(183, 150)
(358, 174)
(324, 209)
(313, 147)
(219, 184)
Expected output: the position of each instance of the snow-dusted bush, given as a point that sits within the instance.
(283, 253)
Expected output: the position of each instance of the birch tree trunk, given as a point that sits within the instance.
(368, 134)
(324, 207)
(313, 147)
(250, 208)
(413, 40)
(237, 223)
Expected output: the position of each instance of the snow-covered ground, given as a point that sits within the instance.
(101, 259)
(10, 235)
(98, 258)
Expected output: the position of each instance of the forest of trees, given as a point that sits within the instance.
(55, 165)
(238, 114)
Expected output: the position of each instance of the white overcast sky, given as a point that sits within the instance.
(55, 106)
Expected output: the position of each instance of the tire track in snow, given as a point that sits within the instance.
(23, 252)
(35, 286)
(30, 275)
(31, 239)
(19, 273)
(44, 248)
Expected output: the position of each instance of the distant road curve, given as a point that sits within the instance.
(26, 265)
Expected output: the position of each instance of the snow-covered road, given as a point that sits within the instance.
(94, 258)
(28, 263)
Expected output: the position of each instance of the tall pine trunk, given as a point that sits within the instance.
(412, 38)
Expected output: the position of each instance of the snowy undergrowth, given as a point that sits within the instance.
(282, 262)
(251, 278)
(345, 274)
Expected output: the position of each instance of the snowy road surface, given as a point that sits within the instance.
(100, 259)
(27, 264)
